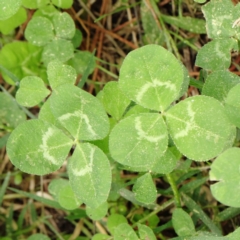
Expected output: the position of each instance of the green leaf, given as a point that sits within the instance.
(55, 185)
(185, 83)
(114, 220)
(90, 174)
(219, 18)
(34, 4)
(79, 112)
(182, 223)
(190, 24)
(39, 31)
(130, 196)
(97, 213)
(151, 76)
(63, 25)
(234, 235)
(114, 101)
(45, 114)
(227, 177)
(100, 236)
(58, 49)
(199, 127)
(145, 232)
(144, 189)
(46, 11)
(83, 60)
(8, 25)
(21, 59)
(38, 236)
(77, 38)
(10, 114)
(139, 140)
(67, 198)
(31, 92)
(8, 8)
(59, 73)
(63, 3)
(216, 55)
(37, 147)
(166, 163)
(135, 110)
(232, 106)
(124, 232)
(219, 83)
(200, 1)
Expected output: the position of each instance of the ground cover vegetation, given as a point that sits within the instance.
(119, 120)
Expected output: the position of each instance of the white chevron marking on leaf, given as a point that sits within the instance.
(155, 83)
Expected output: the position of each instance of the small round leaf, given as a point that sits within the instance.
(97, 213)
(219, 83)
(144, 189)
(67, 198)
(37, 147)
(152, 77)
(225, 170)
(216, 55)
(58, 49)
(10, 113)
(79, 112)
(55, 185)
(139, 140)
(63, 25)
(114, 101)
(34, 4)
(83, 61)
(63, 3)
(59, 73)
(39, 31)
(145, 232)
(31, 92)
(8, 8)
(199, 127)
(124, 232)
(38, 236)
(114, 220)
(182, 223)
(8, 25)
(90, 174)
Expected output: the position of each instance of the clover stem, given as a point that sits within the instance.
(174, 189)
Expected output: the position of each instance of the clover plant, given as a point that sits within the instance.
(143, 123)
(50, 34)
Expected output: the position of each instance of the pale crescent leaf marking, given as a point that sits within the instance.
(189, 125)
(80, 115)
(155, 83)
(89, 166)
(44, 147)
(143, 135)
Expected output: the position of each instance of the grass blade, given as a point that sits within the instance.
(43, 200)
(196, 209)
(4, 187)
